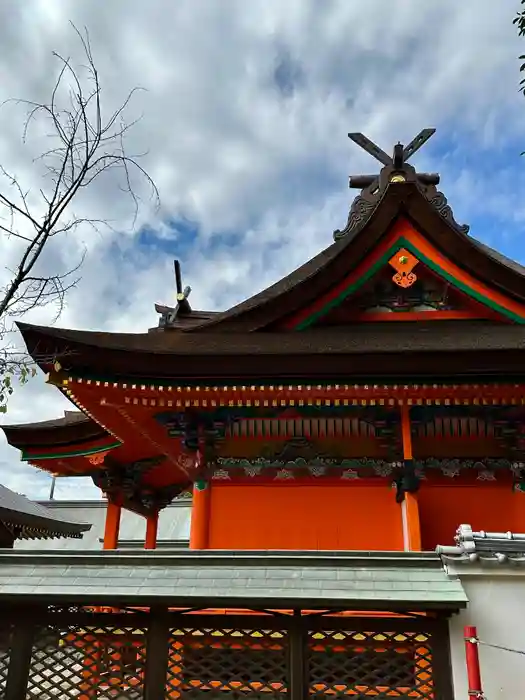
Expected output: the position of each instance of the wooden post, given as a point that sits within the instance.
(152, 523)
(20, 658)
(410, 505)
(298, 656)
(200, 516)
(112, 527)
(159, 651)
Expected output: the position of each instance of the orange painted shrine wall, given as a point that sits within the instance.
(442, 509)
(304, 517)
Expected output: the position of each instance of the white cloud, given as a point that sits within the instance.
(245, 119)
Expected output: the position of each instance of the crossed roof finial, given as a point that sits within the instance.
(396, 169)
(397, 161)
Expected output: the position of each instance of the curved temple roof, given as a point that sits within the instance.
(256, 340)
(28, 520)
(74, 426)
(328, 267)
(256, 325)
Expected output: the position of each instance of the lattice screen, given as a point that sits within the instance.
(5, 652)
(87, 662)
(85, 656)
(384, 664)
(203, 663)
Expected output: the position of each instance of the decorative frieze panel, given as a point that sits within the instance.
(281, 468)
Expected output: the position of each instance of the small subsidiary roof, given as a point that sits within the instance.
(28, 520)
(73, 427)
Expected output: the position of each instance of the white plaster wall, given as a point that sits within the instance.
(174, 524)
(497, 609)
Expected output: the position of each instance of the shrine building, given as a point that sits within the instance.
(333, 430)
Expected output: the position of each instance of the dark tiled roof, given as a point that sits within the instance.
(31, 520)
(363, 338)
(299, 276)
(73, 428)
(378, 580)
(320, 273)
(69, 418)
(500, 258)
(482, 351)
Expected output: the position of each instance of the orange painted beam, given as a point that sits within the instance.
(374, 316)
(152, 525)
(347, 394)
(112, 527)
(200, 515)
(410, 505)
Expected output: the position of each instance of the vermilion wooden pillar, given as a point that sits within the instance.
(410, 505)
(200, 516)
(475, 688)
(152, 524)
(111, 530)
(412, 529)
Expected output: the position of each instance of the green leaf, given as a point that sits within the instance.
(3, 408)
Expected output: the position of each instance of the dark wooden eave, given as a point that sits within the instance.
(28, 520)
(324, 271)
(73, 428)
(475, 349)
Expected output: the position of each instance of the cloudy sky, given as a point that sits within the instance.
(245, 113)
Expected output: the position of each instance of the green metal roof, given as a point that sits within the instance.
(357, 580)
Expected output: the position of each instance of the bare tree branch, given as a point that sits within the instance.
(84, 147)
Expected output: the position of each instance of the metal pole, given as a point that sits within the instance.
(52, 491)
(475, 689)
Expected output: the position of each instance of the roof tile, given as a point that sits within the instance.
(327, 580)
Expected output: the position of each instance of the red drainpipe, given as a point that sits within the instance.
(475, 689)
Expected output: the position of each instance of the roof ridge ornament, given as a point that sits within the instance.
(396, 169)
(169, 314)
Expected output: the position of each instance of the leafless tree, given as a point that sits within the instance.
(84, 144)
